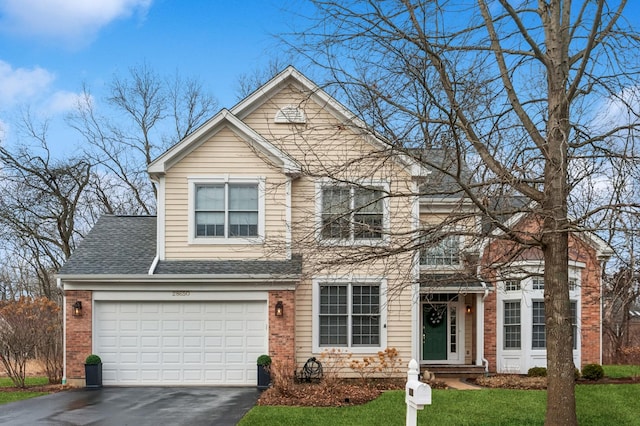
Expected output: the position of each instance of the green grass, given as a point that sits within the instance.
(596, 405)
(621, 371)
(6, 382)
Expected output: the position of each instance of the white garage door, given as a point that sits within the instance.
(186, 343)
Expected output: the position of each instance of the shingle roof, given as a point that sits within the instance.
(230, 267)
(126, 245)
(117, 245)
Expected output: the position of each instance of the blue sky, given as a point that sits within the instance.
(49, 48)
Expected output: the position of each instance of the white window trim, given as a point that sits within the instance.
(459, 266)
(386, 214)
(315, 313)
(526, 296)
(226, 179)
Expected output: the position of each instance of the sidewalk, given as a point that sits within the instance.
(459, 384)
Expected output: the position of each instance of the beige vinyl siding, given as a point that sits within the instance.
(323, 146)
(223, 154)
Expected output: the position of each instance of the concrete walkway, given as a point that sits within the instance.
(459, 384)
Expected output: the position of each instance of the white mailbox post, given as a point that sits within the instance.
(417, 394)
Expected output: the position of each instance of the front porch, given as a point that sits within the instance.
(446, 371)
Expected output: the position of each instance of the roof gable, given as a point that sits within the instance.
(219, 121)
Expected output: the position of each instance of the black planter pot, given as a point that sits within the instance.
(93, 375)
(264, 378)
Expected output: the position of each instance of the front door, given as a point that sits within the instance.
(434, 331)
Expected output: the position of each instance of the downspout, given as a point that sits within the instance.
(154, 264)
(485, 361)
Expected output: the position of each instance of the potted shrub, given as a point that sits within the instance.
(93, 371)
(264, 376)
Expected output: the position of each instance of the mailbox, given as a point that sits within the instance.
(418, 393)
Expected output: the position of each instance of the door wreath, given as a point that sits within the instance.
(436, 316)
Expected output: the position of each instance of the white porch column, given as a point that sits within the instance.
(479, 313)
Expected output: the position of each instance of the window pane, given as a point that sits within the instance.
(335, 213)
(512, 285)
(333, 315)
(210, 197)
(209, 224)
(243, 224)
(365, 330)
(574, 323)
(538, 283)
(538, 338)
(512, 325)
(243, 197)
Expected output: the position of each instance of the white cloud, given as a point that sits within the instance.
(621, 109)
(61, 102)
(18, 85)
(70, 21)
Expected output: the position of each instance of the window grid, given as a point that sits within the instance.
(512, 325)
(445, 253)
(512, 285)
(226, 210)
(453, 347)
(538, 283)
(350, 213)
(538, 336)
(349, 315)
(574, 323)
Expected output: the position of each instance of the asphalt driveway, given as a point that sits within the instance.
(134, 406)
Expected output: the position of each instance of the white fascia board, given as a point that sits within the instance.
(174, 278)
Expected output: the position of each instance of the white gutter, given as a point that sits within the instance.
(154, 264)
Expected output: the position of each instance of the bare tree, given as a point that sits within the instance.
(39, 206)
(512, 89)
(147, 113)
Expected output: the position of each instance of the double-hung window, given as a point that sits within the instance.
(226, 210)
(352, 213)
(349, 315)
(512, 330)
(538, 336)
(446, 252)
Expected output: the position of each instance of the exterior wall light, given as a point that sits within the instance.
(279, 308)
(468, 309)
(77, 309)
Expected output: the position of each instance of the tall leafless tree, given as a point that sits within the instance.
(511, 88)
(143, 115)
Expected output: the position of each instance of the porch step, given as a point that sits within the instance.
(453, 371)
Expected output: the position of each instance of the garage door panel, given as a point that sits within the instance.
(157, 343)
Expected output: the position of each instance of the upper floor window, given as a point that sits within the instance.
(446, 252)
(537, 283)
(512, 285)
(350, 213)
(226, 209)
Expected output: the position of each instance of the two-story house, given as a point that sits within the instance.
(284, 227)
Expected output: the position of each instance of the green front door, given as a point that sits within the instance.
(434, 332)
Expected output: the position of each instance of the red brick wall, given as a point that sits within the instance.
(282, 329)
(78, 333)
(590, 326)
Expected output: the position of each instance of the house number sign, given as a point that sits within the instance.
(182, 293)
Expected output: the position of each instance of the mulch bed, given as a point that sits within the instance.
(334, 393)
(38, 388)
(514, 381)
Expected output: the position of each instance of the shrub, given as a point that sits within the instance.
(386, 364)
(29, 328)
(264, 360)
(593, 372)
(92, 360)
(631, 355)
(537, 372)
(282, 377)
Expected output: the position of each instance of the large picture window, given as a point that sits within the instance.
(352, 213)
(349, 315)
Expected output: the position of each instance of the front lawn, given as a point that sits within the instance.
(10, 394)
(621, 371)
(597, 405)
